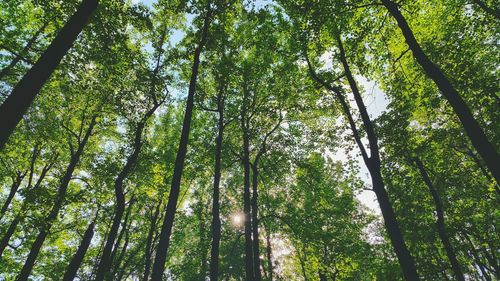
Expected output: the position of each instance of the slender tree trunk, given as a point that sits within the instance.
(247, 203)
(18, 218)
(106, 257)
(118, 261)
(373, 164)
(18, 102)
(269, 254)
(77, 259)
(477, 136)
(8, 234)
(168, 221)
(149, 243)
(440, 223)
(255, 223)
(16, 182)
(303, 264)
(58, 204)
(19, 56)
(216, 224)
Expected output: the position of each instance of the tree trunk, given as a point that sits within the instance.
(269, 254)
(440, 223)
(149, 243)
(373, 165)
(77, 259)
(255, 223)
(246, 203)
(168, 221)
(13, 225)
(5, 71)
(16, 182)
(58, 204)
(8, 234)
(216, 224)
(23, 94)
(471, 126)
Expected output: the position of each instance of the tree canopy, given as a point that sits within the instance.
(249, 140)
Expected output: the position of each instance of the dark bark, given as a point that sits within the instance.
(216, 223)
(58, 204)
(149, 243)
(470, 124)
(373, 163)
(77, 259)
(168, 221)
(19, 56)
(106, 257)
(23, 94)
(13, 225)
(16, 182)
(8, 234)
(269, 255)
(374, 166)
(255, 222)
(322, 276)
(247, 201)
(440, 222)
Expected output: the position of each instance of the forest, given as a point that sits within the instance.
(256, 140)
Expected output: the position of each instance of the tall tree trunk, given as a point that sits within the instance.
(19, 56)
(106, 257)
(372, 163)
(149, 243)
(18, 218)
(168, 221)
(374, 166)
(23, 94)
(440, 223)
(216, 224)
(77, 259)
(255, 223)
(8, 234)
(269, 254)
(58, 204)
(16, 182)
(471, 126)
(247, 202)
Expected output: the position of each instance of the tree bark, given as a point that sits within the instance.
(8, 234)
(58, 204)
(77, 259)
(471, 126)
(168, 221)
(105, 261)
(247, 201)
(16, 182)
(23, 94)
(216, 223)
(5, 71)
(269, 254)
(149, 243)
(255, 222)
(440, 223)
(18, 218)
(374, 166)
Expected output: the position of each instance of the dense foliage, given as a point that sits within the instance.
(249, 140)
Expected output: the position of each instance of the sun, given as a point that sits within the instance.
(237, 219)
